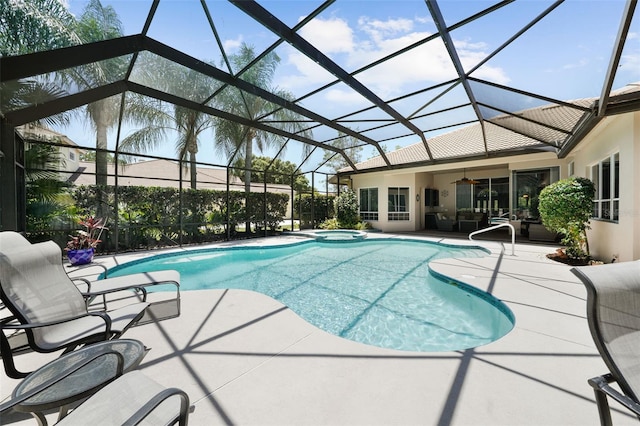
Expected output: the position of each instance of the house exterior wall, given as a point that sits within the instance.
(384, 181)
(442, 177)
(71, 156)
(607, 239)
(617, 134)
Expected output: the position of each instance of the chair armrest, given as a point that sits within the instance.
(88, 266)
(160, 397)
(52, 381)
(93, 293)
(601, 384)
(138, 282)
(5, 325)
(82, 281)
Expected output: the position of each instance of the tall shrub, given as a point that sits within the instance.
(346, 205)
(323, 208)
(565, 207)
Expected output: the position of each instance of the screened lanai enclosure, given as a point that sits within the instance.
(192, 121)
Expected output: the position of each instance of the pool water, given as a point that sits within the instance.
(376, 291)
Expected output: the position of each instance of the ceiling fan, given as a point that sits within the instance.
(465, 180)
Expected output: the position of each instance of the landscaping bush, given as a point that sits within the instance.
(346, 207)
(322, 209)
(565, 207)
(151, 216)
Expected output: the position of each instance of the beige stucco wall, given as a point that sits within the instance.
(615, 134)
(607, 239)
(441, 177)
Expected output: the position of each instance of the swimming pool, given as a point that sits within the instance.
(375, 291)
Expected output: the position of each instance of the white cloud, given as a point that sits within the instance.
(631, 63)
(580, 64)
(308, 72)
(344, 97)
(329, 35)
(378, 30)
(372, 39)
(231, 45)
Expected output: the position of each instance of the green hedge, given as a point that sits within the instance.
(322, 209)
(151, 216)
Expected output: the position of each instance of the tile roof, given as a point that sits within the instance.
(164, 173)
(541, 128)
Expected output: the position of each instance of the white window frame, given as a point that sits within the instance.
(606, 202)
(368, 214)
(399, 214)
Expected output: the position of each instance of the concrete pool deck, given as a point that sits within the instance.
(245, 359)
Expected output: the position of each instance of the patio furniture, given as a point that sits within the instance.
(538, 232)
(48, 306)
(77, 383)
(467, 225)
(159, 309)
(445, 223)
(613, 312)
(132, 398)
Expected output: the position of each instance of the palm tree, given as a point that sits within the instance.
(99, 23)
(159, 118)
(28, 27)
(45, 195)
(35, 26)
(232, 137)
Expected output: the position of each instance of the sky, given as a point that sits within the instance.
(564, 56)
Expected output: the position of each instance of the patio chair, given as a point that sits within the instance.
(446, 224)
(161, 308)
(130, 399)
(48, 306)
(133, 399)
(613, 312)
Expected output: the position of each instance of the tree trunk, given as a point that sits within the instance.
(247, 182)
(101, 159)
(192, 169)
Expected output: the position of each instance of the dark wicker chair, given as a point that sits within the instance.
(613, 312)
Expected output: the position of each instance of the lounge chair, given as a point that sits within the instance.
(47, 304)
(159, 309)
(167, 307)
(132, 398)
(613, 312)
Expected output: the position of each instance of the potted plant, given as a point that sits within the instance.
(81, 248)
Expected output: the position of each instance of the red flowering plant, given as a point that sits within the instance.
(88, 237)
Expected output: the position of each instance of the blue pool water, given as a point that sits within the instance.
(376, 291)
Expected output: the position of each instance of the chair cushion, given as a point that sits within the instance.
(121, 399)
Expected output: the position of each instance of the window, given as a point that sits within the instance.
(72, 156)
(527, 185)
(398, 208)
(571, 169)
(489, 196)
(606, 177)
(369, 203)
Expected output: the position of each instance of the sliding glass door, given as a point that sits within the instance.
(490, 196)
(527, 185)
